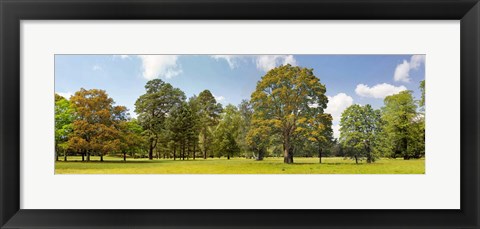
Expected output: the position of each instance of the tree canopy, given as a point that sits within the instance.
(284, 99)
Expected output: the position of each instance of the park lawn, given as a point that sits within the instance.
(332, 165)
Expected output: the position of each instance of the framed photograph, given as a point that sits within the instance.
(239, 114)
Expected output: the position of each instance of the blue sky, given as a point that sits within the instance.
(350, 79)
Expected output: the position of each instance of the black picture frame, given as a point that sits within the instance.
(13, 11)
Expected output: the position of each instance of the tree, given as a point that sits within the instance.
(64, 118)
(258, 138)
(181, 126)
(284, 99)
(245, 111)
(422, 89)
(320, 132)
(227, 132)
(359, 128)
(209, 111)
(131, 138)
(194, 105)
(153, 106)
(399, 115)
(95, 129)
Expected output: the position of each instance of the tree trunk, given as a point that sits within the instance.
(101, 156)
(150, 151)
(356, 159)
(174, 152)
(287, 150)
(56, 152)
(183, 152)
(288, 154)
(319, 154)
(83, 156)
(228, 156)
(65, 155)
(369, 155)
(204, 144)
(124, 156)
(194, 150)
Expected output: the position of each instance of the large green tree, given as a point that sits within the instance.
(359, 128)
(227, 131)
(153, 107)
(284, 99)
(400, 117)
(209, 114)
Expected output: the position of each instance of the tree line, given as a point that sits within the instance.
(285, 116)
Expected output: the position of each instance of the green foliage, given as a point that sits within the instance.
(209, 114)
(246, 112)
(284, 99)
(181, 124)
(284, 117)
(422, 89)
(319, 131)
(227, 132)
(403, 125)
(64, 117)
(132, 140)
(359, 128)
(153, 107)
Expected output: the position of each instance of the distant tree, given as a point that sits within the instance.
(227, 131)
(181, 126)
(400, 115)
(245, 111)
(132, 140)
(359, 128)
(320, 132)
(64, 117)
(284, 99)
(209, 112)
(153, 107)
(194, 105)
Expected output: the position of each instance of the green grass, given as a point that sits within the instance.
(115, 165)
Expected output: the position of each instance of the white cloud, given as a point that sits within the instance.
(402, 72)
(66, 95)
(155, 66)
(232, 60)
(267, 62)
(219, 99)
(336, 105)
(378, 91)
(96, 67)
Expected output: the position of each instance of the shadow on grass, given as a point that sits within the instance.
(113, 162)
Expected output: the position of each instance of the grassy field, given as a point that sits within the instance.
(115, 165)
